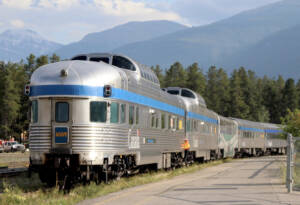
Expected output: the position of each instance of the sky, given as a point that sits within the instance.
(66, 21)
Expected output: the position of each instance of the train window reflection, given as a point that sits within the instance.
(163, 121)
(173, 92)
(122, 62)
(123, 113)
(80, 58)
(98, 111)
(34, 111)
(131, 114)
(152, 120)
(114, 112)
(137, 113)
(62, 112)
(98, 59)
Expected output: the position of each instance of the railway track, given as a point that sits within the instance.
(10, 172)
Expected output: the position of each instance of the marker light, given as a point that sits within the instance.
(27, 90)
(107, 91)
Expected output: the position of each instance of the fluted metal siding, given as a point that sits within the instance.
(40, 138)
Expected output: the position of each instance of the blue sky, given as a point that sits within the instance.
(66, 21)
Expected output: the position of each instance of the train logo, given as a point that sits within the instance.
(61, 135)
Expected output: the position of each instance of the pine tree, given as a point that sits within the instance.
(175, 76)
(289, 97)
(42, 60)
(211, 93)
(195, 79)
(10, 102)
(223, 92)
(239, 108)
(54, 58)
(298, 93)
(31, 64)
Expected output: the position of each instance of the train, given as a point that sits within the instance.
(102, 115)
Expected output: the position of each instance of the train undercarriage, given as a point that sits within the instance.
(65, 170)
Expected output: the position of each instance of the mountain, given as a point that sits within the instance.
(18, 44)
(276, 54)
(212, 44)
(118, 36)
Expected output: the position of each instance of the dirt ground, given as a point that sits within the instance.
(14, 159)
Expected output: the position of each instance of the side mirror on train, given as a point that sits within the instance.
(107, 91)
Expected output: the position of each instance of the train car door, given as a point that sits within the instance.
(61, 118)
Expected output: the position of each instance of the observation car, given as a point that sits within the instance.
(100, 115)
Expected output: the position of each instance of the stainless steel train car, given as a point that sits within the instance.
(257, 138)
(100, 115)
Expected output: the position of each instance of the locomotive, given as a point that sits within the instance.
(101, 114)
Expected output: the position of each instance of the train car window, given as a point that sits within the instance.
(80, 58)
(177, 123)
(34, 111)
(169, 122)
(98, 111)
(122, 62)
(188, 125)
(173, 92)
(153, 121)
(98, 59)
(131, 114)
(187, 93)
(114, 112)
(163, 121)
(61, 112)
(174, 123)
(123, 113)
(180, 124)
(137, 113)
(195, 128)
(157, 122)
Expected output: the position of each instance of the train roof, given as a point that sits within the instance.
(77, 73)
(187, 93)
(123, 62)
(263, 125)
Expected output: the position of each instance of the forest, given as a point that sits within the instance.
(240, 94)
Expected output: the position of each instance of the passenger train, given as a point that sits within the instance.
(100, 115)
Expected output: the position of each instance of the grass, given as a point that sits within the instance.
(22, 190)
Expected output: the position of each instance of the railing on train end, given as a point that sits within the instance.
(293, 163)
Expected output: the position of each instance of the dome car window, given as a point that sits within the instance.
(122, 62)
(173, 92)
(186, 93)
(98, 59)
(80, 58)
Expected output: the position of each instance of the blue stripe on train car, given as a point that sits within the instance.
(273, 131)
(251, 129)
(80, 90)
(120, 94)
(202, 117)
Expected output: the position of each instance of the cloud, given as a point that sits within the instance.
(59, 4)
(67, 21)
(17, 23)
(21, 4)
(139, 10)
